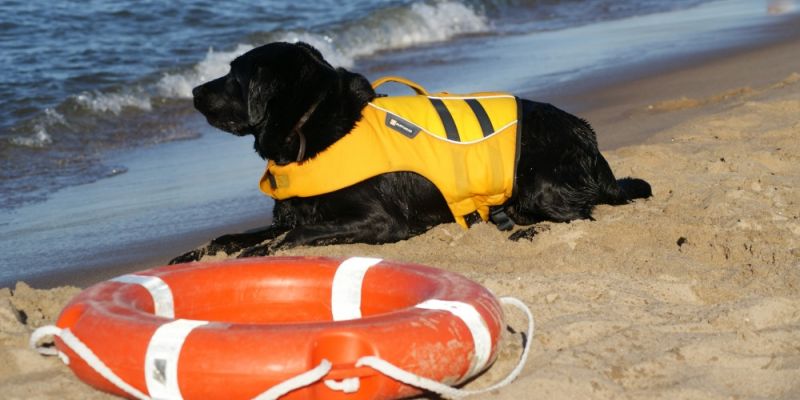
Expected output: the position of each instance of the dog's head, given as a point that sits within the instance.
(268, 91)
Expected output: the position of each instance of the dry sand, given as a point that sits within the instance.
(692, 294)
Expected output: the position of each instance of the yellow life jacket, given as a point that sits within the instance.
(466, 145)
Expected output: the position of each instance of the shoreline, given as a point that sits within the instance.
(114, 228)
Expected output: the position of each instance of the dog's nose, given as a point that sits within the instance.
(197, 91)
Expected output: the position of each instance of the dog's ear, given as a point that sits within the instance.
(260, 89)
(357, 86)
(314, 53)
(293, 75)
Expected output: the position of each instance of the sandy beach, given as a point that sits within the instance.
(691, 294)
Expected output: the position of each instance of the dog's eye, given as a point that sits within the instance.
(233, 86)
(244, 85)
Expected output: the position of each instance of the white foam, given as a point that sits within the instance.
(113, 102)
(443, 21)
(40, 137)
(389, 29)
(52, 117)
(38, 140)
(213, 66)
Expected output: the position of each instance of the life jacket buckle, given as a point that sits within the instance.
(499, 217)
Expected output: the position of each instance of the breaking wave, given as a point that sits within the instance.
(214, 65)
(384, 29)
(114, 102)
(391, 28)
(40, 137)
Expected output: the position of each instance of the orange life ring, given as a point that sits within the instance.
(234, 329)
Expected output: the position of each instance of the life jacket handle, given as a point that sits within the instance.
(413, 85)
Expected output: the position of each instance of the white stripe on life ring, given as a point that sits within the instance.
(161, 358)
(159, 291)
(346, 289)
(481, 337)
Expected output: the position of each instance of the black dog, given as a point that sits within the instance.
(295, 104)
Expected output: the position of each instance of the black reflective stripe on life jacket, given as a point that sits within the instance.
(447, 119)
(480, 114)
(450, 128)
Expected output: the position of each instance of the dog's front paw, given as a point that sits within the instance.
(232, 243)
(256, 251)
(194, 255)
(522, 234)
(527, 233)
(210, 249)
(227, 244)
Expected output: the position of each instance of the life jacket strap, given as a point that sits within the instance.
(498, 216)
(413, 85)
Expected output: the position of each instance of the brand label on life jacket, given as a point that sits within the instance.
(401, 125)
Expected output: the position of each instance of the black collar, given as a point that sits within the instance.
(297, 130)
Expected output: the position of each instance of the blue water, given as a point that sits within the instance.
(101, 152)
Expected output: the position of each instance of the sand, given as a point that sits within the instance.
(692, 294)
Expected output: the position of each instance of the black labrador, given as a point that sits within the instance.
(295, 104)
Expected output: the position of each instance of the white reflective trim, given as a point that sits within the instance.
(161, 359)
(481, 337)
(159, 291)
(346, 288)
(491, 96)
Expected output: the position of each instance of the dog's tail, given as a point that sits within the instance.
(620, 191)
(623, 191)
(627, 189)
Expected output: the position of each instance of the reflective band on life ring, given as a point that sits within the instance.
(346, 289)
(161, 359)
(159, 291)
(246, 327)
(481, 338)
